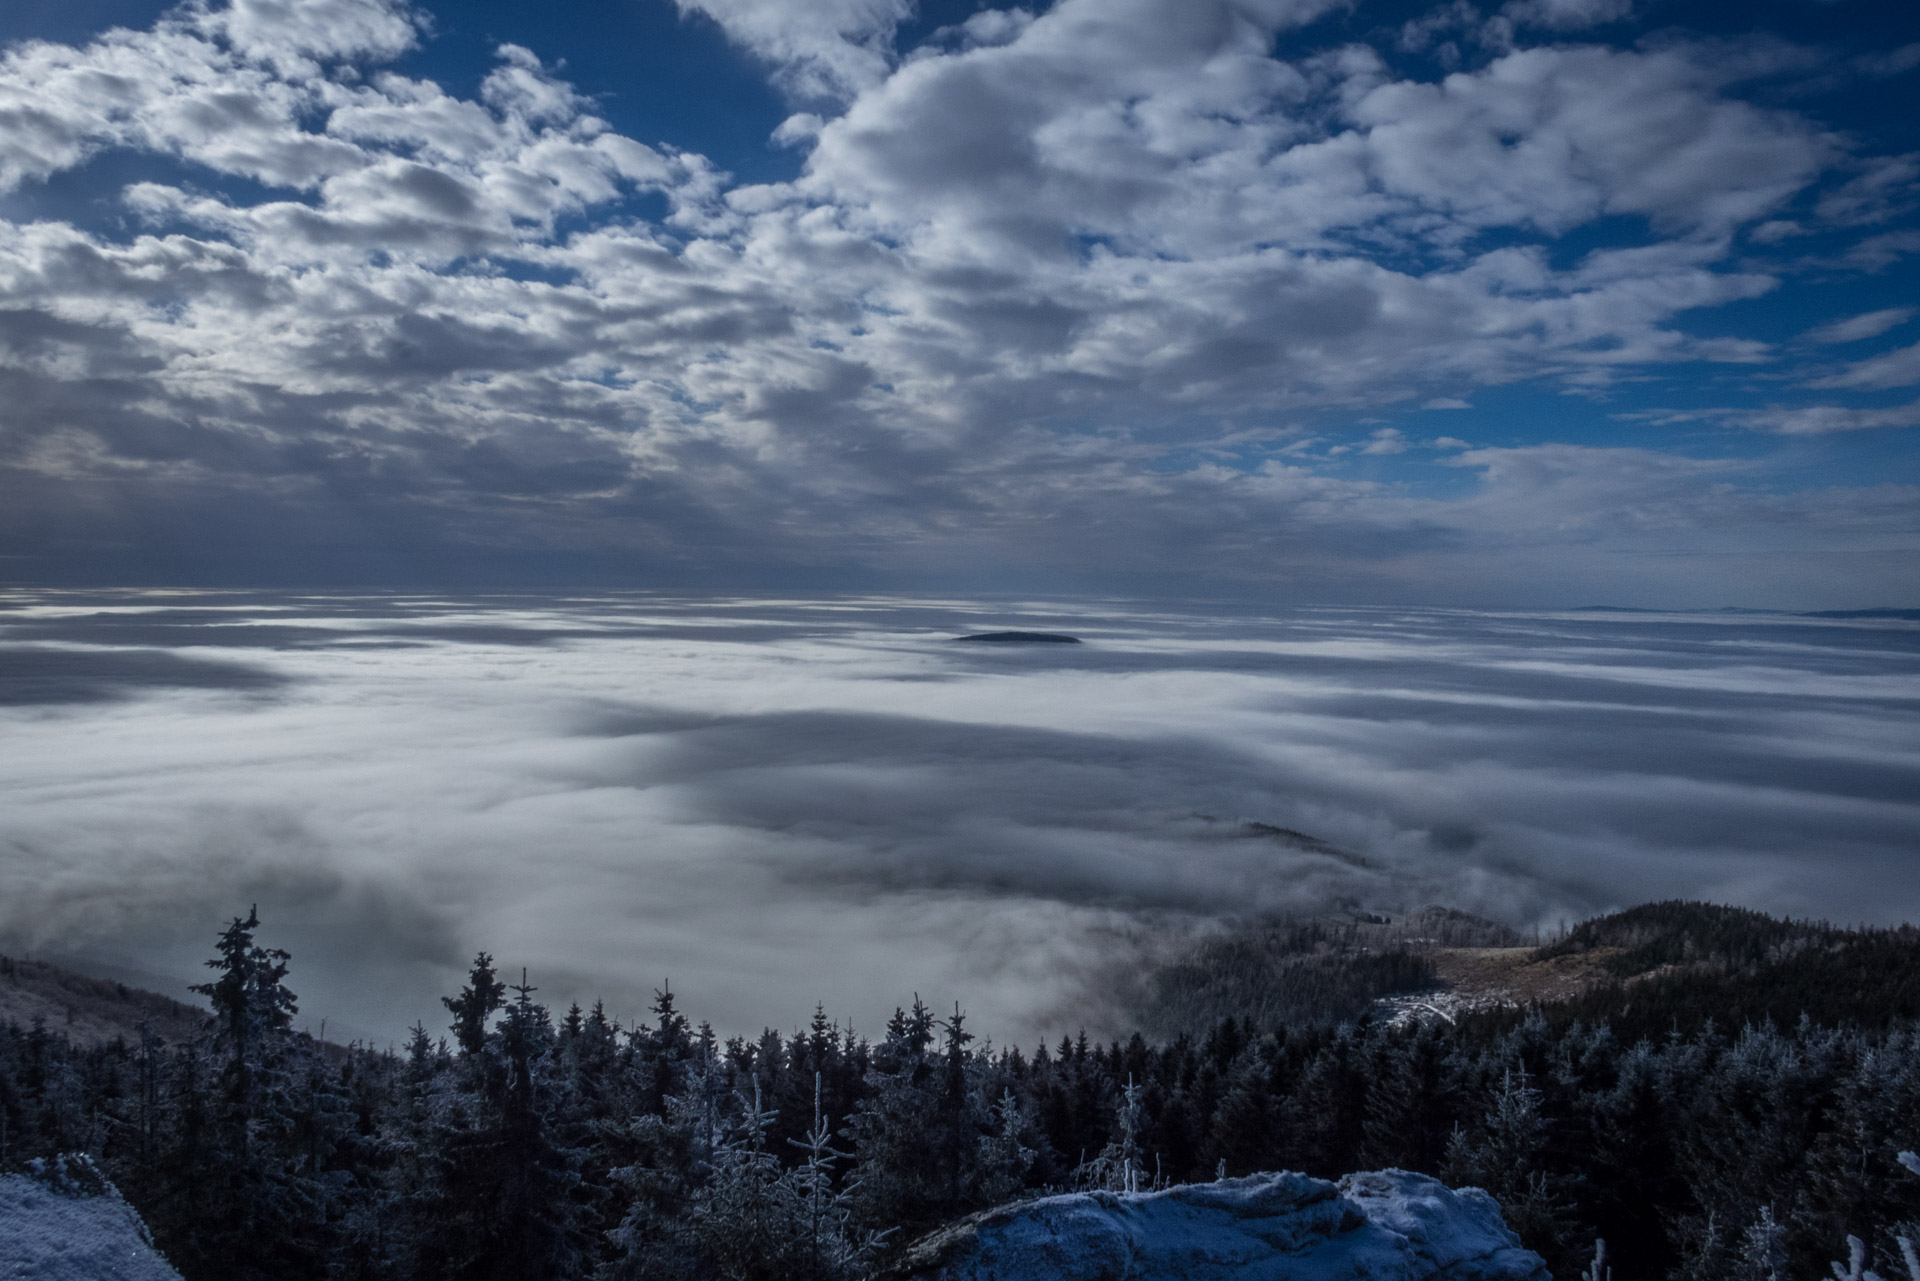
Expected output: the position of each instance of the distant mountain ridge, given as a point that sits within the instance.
(89, 1011)
(1907, 615)
(1678, 961)
(1688, 958)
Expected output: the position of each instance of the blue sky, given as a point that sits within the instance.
(1544, 302)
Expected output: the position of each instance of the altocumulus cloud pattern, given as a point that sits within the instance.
(1468, 303)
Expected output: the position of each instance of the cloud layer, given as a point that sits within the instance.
(1137, 277)
(777, 802)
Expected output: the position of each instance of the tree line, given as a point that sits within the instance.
(1719, 1119)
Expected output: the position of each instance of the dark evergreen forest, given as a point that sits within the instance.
(1730, 1104)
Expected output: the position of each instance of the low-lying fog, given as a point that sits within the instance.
(776, 802)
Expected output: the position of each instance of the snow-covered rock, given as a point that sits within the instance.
(67, 1223)
(1384, 1226)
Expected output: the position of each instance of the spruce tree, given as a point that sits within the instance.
(506, 1209)
(478, 1000)
(261, 1212)
(1507, 1154)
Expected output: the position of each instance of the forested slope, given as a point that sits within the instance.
(87, 1010)
(1729, 1090)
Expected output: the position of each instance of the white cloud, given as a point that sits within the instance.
(1551, 138)
(1566, 15)
(982, 30)
(1870, 324)
(775, 804)
(1775, 230)
(1016, 266)
(1890, 62)
(1890, 186)
(1898, 368)
(1878, 252)
(1814, 420)
(823, 50)
(288, 32)
(1027, 277)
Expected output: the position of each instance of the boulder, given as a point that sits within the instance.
(1388, 1225)
(64, 1221)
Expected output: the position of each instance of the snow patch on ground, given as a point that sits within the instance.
(1425, 1007)
(1384, 1226)
(70, 1224)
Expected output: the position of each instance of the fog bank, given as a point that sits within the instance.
(778, 802)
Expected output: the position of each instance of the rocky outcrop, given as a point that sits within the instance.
(64, 1222)
(1383, 1226)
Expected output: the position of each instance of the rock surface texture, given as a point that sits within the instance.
(66, 1223)
(1384, 1226)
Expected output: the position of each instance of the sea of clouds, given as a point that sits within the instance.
(774, 803)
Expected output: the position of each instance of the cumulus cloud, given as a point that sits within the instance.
(825, 49)
(1036, 266)
(226, 87)
(776, 802)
